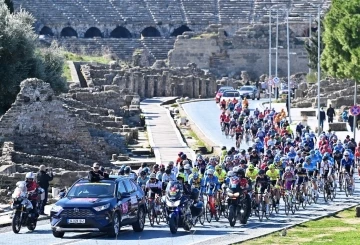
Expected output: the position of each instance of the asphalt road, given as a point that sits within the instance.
(206, 115)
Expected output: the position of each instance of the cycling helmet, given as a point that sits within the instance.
(171, 163)
(243, 152)
(235, 169)
(181, 176)
(152, 176)
(325, 158)
(308, 159)
(230, 174)
(292, 148)
(217, 167)
(346, 153)
(251, 167)
(298, 152)
(210, 172)
(212, 159)
(241, 172)
(272, 166)
(195, 170)
(195, 176)
(147, 170)
(29, 175)
(242, 161)
(312, 152)
(236, 157)
(299, 165)
(257, 140)
(127, 170)
(228, 159)
(143, 173)
(183, 157)
(187, 167)
(287, 169)
(261, 172)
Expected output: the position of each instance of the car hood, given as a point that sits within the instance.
(83, 202)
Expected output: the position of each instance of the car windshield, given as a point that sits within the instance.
(92, 189)
(231, 94)
(246, 89)
(224, 89)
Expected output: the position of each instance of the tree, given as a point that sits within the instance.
(342, 39)
(20, 58)
(10, 5)
(312, 48)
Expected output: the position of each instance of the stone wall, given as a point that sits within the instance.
(38, 123)
(247, 50)
(158, 80)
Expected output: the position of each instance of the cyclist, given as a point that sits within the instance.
(274, 176)
(326, 170)
(301, 180)
(262, 185)
(143, 179)
(347, 165)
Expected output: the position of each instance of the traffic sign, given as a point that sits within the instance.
(276, 80)
(355, 110)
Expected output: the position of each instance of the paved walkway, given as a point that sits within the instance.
(312, 121)
(164, 137)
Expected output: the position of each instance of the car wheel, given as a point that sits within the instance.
(253, 98)
(138, 226)
(115, 229)
(58, 234)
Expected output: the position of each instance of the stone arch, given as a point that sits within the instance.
(46, 31)
(180, 30)
(68, 32)
(120, 32)
(93, 32)
(150, 32)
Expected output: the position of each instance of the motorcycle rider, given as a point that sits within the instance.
(32, 187)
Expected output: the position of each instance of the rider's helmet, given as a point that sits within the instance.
(228, 159)
(187, 167)
(143, 173)
(181, 176)
(195, 176)
(230, 174)
(236, 157)
(235, 169)
(325, 158)
(299, 165)
(195, 170)
(29, 176)
(308, 159)
(210, 172)
(183, 157)
(272, 166)
(241, 173)
(287, 169)
(346, 153)
(243, 152)
(218, 167)
(152, 176)
(251, 167)
(312, 152)
(127, 170)
(257, 140)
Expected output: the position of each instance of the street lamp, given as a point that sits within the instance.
(310, 19)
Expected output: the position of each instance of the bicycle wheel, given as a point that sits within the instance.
(297, 201)
(226, 211)
(315, 196)
(276, 207)
(304, 202)
(152, 216)
(292, 203)
(217, 212)
(267, 212)
(202, 217)
(310, 195)
(346, 188)
(325, 193)
(286, 205)
(333, 193)
(157, 217)
(260, 211)
(208, 213)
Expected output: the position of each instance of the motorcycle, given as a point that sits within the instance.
(239, 206)
(22, 206)
(180, 209)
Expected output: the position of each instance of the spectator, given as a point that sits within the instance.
(322, 118)
(351, 122)
(96, 174)
(330, 113)
(43, 177)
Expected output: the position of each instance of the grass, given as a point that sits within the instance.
(199, 143)
(174, 105)
(341, 228)
(79, 57)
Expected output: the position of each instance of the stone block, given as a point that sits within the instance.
(338, 126)
(308, 113)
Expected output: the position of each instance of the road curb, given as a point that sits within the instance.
(200, 134)
(302, 222)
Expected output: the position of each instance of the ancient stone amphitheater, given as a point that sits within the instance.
(122, 26)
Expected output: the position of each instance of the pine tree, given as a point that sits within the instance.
(312, 48)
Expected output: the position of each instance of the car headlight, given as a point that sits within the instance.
(103, 207)
(172, 204)
(56, 209)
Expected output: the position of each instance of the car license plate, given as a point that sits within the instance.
(76, 221)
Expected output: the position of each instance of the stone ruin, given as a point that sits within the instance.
(155, 81)
(337, 92)
(66, 132)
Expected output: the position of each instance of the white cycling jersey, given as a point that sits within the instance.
(325, 166)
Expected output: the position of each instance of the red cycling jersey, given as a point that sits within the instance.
(31, 186)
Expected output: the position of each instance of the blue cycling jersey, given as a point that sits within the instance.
(346, 162)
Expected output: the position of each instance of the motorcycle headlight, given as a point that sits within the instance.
(101, 208)
(172, 204)
(56, 209)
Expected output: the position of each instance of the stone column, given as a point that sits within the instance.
(196, 82)
(188, 86)
(167, 83)
(150, 86)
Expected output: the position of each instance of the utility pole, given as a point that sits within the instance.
(269, 83)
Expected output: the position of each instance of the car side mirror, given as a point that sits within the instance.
(125, 195)
(62, 194)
